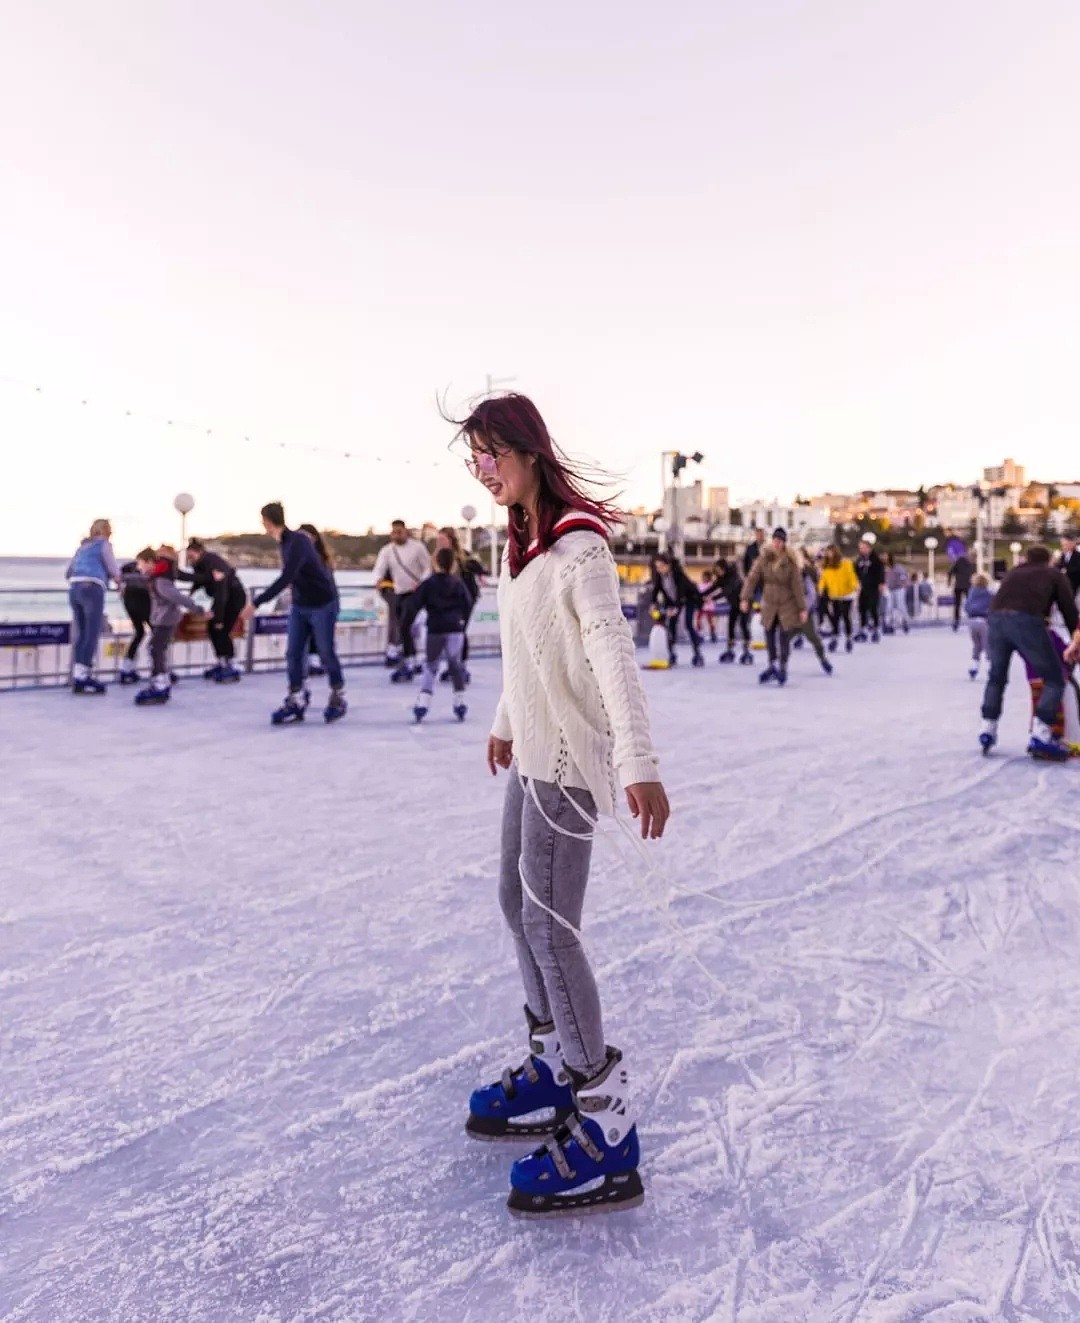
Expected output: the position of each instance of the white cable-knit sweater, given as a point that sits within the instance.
(572, 700)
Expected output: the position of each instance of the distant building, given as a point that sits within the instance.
(1009, 474)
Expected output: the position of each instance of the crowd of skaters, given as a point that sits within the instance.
(572, 730)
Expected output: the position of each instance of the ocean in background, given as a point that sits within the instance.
(33, 588)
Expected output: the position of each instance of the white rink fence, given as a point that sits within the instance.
(37, 654)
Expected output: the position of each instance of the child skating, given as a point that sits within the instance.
(168, 606)
(571, 728)
(978, 614)
(447, 601)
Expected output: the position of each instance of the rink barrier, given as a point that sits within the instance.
(37, 654)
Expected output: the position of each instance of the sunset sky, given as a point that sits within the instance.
(830, 245)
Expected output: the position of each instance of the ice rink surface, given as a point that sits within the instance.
(248, 977)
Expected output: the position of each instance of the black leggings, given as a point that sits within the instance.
(959, 598)
(140, 624)
(738, 620)
(840, 613)
(778, 642)
(226, 614)
(688, 612)
(868, 610)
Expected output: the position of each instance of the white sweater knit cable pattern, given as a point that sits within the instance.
(572, 699)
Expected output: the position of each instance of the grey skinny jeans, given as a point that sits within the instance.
(559, 983)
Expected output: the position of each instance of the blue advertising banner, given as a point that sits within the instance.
(271, 624)
(35, 634)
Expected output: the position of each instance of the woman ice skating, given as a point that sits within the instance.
(727, 583)
(88, 574)
(168, 605)
(783, 603)
(571, 725)
(1018, 618)
(840, 584)
(675, 594)
(979, 599)
(871, 574)
(897, 580)
(213, 575)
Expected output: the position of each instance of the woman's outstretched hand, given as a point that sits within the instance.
(500, 753)
(648, 801)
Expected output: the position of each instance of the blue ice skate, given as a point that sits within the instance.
(227, 674)
(1050, 750)
(769, 673)
(152, 696)
(212, 672)
(590, 1164)
(530, 1102)
(87, 685)
(988, 736)
(747, 658)
(336, 706)
(460, 711)
(292, 710)
(402, 674)
(781, 677)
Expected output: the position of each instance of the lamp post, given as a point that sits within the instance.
(679, 461)
(183, 504)
(1016, 548)
(660, 528)
(468, 513)
(931, 546)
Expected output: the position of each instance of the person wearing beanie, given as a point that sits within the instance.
(783, 602)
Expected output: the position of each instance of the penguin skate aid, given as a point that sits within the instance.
(571, 728)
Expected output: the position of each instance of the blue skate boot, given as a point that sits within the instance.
(402, 674)
(460, 711)
(156, 692)
(336, 707)
(292, 710)
(769, 673)
(82, 682)
(527, 1103)
(1045, 746)
(420, 707)
(227, 674)
(988, 737)
(590, 1164)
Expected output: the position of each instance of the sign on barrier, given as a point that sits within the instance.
(35, 633)
(271, 624)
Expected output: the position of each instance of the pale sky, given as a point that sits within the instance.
(831, 245)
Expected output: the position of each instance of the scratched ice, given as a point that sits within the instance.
(249, 976)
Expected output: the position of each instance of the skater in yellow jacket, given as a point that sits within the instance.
(840, 584)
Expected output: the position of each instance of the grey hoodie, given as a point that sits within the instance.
(167, 603)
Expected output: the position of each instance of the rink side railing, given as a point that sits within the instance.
(37, 654)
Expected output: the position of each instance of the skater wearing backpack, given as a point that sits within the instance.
(1018, 618)
(840, 583)
(675, 594)
(313, 612)
(727, 584)
(783, 603)
(447, 601)
(571, 728)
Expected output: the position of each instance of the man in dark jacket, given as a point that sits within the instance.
(870, 569)
(960, 575)
(1069, 563)
(214, 575)
(1018, 618)
(448, 604)
(313, 614)
(673, 593)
